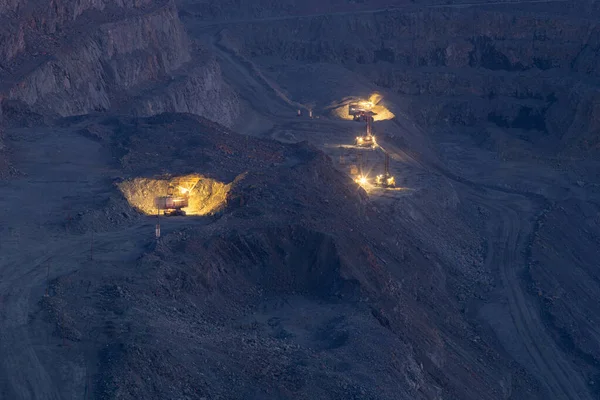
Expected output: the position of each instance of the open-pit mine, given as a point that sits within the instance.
(382, 200)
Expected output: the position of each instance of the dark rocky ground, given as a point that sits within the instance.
(299, 288)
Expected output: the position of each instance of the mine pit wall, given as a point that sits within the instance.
(118, 55)
(464, 67)
(202, 92)
(21, 16)
(107, 68)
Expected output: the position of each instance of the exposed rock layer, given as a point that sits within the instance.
(100, 56)
(536, 74)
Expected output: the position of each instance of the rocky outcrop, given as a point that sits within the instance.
(211, 10)
(200, 91)
(27, 21)
(435, 37)
(80, 78)
(102, 55)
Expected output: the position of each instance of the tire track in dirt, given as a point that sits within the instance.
(507, 236)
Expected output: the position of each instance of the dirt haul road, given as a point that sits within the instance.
(519, 327)
(512, 212)
(61, 169)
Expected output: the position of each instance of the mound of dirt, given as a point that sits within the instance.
(300, 289)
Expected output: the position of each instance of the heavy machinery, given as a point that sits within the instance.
(386, 180)
(368, 139)
(358, 110)
(173, 205)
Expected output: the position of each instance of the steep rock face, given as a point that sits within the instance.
(211, 10)
(103, 55)
(201, 91)
(12, 42)
(117, 55)
(25, 20)
(466, 38)
(469, 67)
(240, 9)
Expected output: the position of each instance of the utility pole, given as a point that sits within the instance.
(157, 229)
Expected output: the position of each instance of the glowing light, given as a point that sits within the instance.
(389, 181)
(202, 194)
(366, 140)
(373, 103)
(362, 180)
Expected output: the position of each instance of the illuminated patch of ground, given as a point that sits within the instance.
(205, 195)
(365, 182)
(374, 103)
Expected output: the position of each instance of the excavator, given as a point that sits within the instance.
(173, 205)
(368, 139)
(386, 180)
(358, 109)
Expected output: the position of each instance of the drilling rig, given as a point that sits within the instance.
(358, 109)
(386, 180)
(368, 139)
